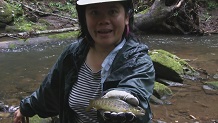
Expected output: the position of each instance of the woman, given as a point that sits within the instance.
(106, 61)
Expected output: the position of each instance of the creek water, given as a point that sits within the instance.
(23, 69)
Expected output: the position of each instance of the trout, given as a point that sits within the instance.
(114, 105)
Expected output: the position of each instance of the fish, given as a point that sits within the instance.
(114, 105)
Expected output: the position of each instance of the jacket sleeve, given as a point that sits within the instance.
(45, 100)
(134, 73)
(137, 77)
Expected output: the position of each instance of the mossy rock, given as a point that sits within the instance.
(6, 13)
(212, 84)
(169, 66)
(161, 90)
(37, 119)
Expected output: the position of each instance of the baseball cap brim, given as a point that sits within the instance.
(86, 2)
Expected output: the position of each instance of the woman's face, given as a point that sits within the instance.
(106, 23)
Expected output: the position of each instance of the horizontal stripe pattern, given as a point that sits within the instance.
(86, 88)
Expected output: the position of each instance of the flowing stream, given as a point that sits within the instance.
(23, 69)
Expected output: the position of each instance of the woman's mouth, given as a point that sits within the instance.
(106, 31)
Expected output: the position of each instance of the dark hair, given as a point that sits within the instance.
(84, 33)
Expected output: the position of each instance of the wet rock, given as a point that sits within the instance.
(169, 83)
(7, 108)
(171, 67)
(7, 111)
(155, 100)
(3, 107)
(208, 90)
(161, 90)
(160, 94)
(212, 84)
(6, 13)
(215, 76)
(214, 121)
(211, 87)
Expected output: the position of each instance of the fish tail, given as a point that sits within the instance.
(90, 105)
(88, 108)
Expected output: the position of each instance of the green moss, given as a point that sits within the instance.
(212, 84)
(162, 89)
(212, 5)
(12, 46)
(167, 59)
(65, 35)
(17, 9)
(23, 25)
(187, 69)
(172, 61)
(37, 119)
(6, 12)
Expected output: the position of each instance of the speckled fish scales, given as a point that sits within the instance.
(114, 105)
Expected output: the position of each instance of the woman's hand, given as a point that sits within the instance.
(123, 95)
(18, 116)
(120, 117)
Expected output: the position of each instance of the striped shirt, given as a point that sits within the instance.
(87, 87)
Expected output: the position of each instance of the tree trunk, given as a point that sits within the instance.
(170, 16)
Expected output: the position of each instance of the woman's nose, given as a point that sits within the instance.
(104, 19)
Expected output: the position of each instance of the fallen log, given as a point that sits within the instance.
(26, 35)
(156, 15)
(175, 17)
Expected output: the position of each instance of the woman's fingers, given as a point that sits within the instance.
(18, 117)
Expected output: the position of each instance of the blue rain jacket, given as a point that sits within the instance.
(131, 70)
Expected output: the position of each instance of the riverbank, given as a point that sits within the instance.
(12, 44)
(18, 43)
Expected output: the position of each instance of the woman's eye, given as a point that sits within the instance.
(94, 12)
(113, 12)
